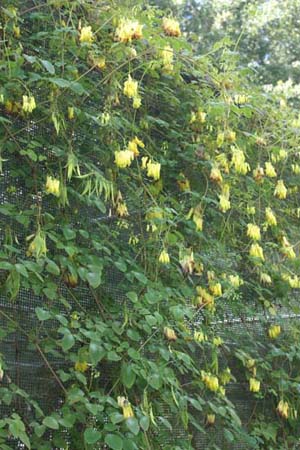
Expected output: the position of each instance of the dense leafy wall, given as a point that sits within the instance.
(149, 238)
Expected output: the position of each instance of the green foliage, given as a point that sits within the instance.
(138, 216)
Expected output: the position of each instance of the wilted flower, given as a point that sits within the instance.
(81, 366)
(170, 334)
(265, 278)
(128, 30)
(215, 175)
(210, 419)
(126, 406)
(258, 174)
(283, 409)
(171, 27)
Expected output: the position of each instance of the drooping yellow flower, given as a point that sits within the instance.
(183, 183)
(274, 331)
(37, 246)
(136, 102)
(220, 139)
(287, 249)
(235, 281)
(294, 282)
(164, 257)
(251, 210)
(296, 169)
(130, 87)
(167, 55)
(223, 162)
(280, 190)
(283, 409)
(241, 99)
(239, 161)
(210, 381)
(81, 366)
(215, 175)
(52, 186)
(256, 251)
(217, 341)
(197, 217)
(28, 103)
(270, 170)
(128, 30)
(134, 144)
(215, 289)
(124, 158)
(210, 419)
(230, 136)
(171, 27)
(86, 35)
(199, 336)
(254, 385)
(224, 203)
(253, 232)
(153, 170)
(126, 407)
(170, 334)
(270, 217)
(225, 375)
(121, 209)
(70, 112)
(265, 278)
(204, 298)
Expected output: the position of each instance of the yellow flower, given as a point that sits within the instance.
(270, 170)
(253, 232)
(241, 99)
(128, 30)
(199, 336)
(223, 162)
(126, 406)
(198, 218)
(230, 136)
(171, 27)
(167, 58)
(254, 385)
(134, 144)
(235, 281)
(280, 190)
(251, 210)
(265, 278)
(224, 203)
(270, 217)
(274, 331)
(225, 376)
(164, 257)
(86, 35)
(238, 161)
(170, 334)
(136, 103)
(17, 31)
(37, 247)
(210, 419)
(124, 158)
(210, 381)
(81, 366)
(287, 249)
(183, 183)
(130, 88)
(283, 409)
(70, 112)
(28, 103)
(220, 139)
(217, 341)
(153, 170)
(204, 297)
(52, 186)
(215, 289)
(122, 209)
(296, 169)
(215, 175)
(256, 251)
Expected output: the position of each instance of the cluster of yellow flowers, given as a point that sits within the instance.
(254, 385)
(197, 217)
(28, 103)
(131, 91)
(274, 331)
(81, 366)
(256, 251)
(164, 257)
(134, 144)
(199, 336)
(287, 249)
(238, 161)
(86, 35)
(270, 170)
(52, 186)
(124, 158)
(153, 168)
(280, 190)
(270, 217)
(216, 175)
(224, 198)
(210, 381)
(253, 232)
(121, 207)
(235, 281)
(215, 288)
(283, 409)
(198, 117)
(128, 30)
(171, 27)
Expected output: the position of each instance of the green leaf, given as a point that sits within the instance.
(51, 422)
(42, 314)
(48, 66)
(145, 423)
(53, 268)
(94, 278)
(67, 342)
(114, 441)
(69, 233)
(96, 352)
(128, 376)
(91, 436)
(132, 296)
(134, 354)
(133, 425)
(4, 265)
(155, 381)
